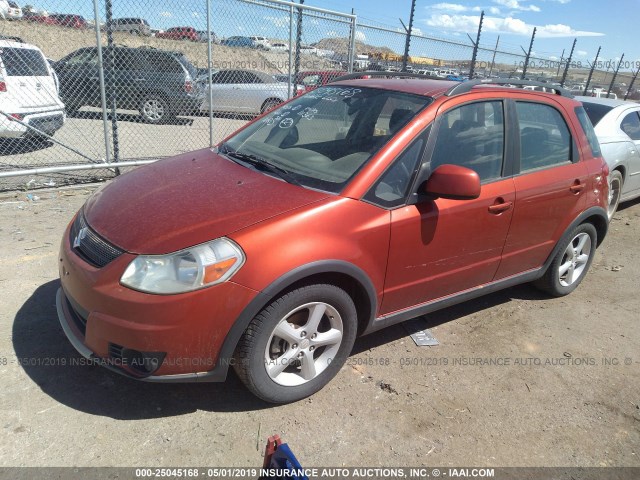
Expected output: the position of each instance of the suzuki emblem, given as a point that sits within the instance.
(81, 234)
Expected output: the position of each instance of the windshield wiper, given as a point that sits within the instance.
(259, 163)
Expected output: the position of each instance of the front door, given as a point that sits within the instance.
(443, 247)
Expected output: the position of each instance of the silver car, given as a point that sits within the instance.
(245, 91)
(617, 125)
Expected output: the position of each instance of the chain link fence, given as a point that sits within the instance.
(88, 93)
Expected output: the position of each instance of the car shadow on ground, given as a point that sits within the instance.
(18, 146)
(128, 117)
(41, 346)
(628, 204)
(48, 358)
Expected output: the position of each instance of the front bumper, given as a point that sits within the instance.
(98, 316)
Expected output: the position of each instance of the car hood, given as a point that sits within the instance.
(187, 200)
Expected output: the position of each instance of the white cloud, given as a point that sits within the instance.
(332, 33)
(508, 25)
(517, 5)
(450, 7)
(279, 22)
(195, 14)
(582, 53)
(361, 37)
(494, 10)
(166, 14)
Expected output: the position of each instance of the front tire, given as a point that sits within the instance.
(270, 105)
(615, 192)
(571, 263)
(297, 344)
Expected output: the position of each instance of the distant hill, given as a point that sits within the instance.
(342, 45)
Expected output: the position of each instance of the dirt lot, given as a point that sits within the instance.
(563, 388)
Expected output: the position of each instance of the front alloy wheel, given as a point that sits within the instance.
(297, 344)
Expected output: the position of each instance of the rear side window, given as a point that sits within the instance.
(23, 62)
(596, 111)
(545, 139)
(631, 125)
(589, 131)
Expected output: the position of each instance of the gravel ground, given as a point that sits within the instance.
(518, 379)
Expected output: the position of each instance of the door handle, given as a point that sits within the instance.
(500, 206)
(577, 187)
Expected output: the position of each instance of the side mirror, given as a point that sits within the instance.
(453, 182)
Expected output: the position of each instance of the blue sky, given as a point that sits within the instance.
(593, 22)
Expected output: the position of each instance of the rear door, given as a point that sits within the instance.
(28, 78)
(78, 76)
(630, 125)
(227, 93)
(551, 185)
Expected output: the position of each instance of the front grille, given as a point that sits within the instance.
(115, 352)
(90, 246)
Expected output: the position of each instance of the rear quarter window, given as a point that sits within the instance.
(23, 62)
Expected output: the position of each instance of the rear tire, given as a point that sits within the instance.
(297, 344)
(270, 104)
(615, 192)
(571, 263)
(154, 109)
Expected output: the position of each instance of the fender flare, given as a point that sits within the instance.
(225, 355)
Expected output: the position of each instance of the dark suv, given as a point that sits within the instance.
(158, 83)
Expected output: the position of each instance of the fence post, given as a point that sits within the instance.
(351, 54)
(472, 68)
(560, 64)
(566, 67)
(615, 74)
(209, 73)
(103, 97)
(493, 60)
(593, 66)
(298, 42)
(633, 80)
(111, 86)
(526, 59)
(289, 70)
(407, 43)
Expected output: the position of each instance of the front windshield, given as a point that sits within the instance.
(323, 138)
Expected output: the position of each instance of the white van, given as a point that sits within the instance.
(134, 26)
(28, 92)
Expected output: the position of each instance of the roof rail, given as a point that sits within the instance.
(377, 73)
(465, 87)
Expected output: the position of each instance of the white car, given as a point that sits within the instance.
(262, 42)
(617, 125)
(10, 10)
(245, 91)
(280, 47)
(28, 92)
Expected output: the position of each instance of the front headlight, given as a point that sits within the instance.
(190, 269)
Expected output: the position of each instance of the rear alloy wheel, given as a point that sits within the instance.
(297, 344)
(615, 191)
(571, 263)
(154, 109)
